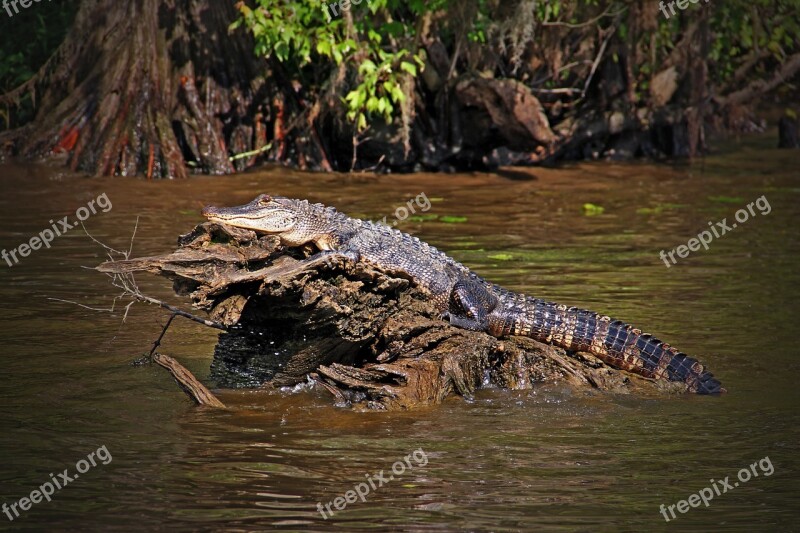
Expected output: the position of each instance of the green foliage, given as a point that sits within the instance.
(450, 219)
(380, 86)
(726, 199)
(591, 210)
(745, 27)
(657, 210)
(501, 257)
(299, 35)
(380, 55)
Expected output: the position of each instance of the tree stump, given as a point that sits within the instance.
(369, 337)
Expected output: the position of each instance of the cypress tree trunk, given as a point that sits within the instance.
(148, 87)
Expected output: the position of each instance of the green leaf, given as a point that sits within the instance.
(411, 68)
(422, 218)
(372, 104)
(448, 219)
(726, 199)
(324, 48)
(397, 95)
(367, 67)
(591, 210)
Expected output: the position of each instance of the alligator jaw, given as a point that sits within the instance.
(264, 214)
(223, 216)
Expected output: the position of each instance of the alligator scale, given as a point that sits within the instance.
(461, 296)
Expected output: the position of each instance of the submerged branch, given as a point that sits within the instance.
(190, 384)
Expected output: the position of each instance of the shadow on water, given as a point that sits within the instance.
(550, 458)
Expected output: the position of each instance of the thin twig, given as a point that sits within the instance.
(251, 152)
(597, 59)
(564, 90)
(110, 310)
(179, 312)
(130, 248)
(105, 246)
(559, 71)
(157, 342)
(130, 289)
(588, 22)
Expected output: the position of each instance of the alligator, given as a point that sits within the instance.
(462, 297)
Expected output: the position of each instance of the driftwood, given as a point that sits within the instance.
(185, 379)
(196, 390)
(369, 337)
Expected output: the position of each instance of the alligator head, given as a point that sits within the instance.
(296, 222)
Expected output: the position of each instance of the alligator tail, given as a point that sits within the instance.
(612, 341)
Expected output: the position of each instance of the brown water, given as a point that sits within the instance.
(547, 459)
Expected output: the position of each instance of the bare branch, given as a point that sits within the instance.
(588, 22)
(130, 248)
(110, 310)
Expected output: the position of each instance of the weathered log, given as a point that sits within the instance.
(370, 337)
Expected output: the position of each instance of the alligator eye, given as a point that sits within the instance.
(265, 200)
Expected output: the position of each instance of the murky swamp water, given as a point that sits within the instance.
(550, 459)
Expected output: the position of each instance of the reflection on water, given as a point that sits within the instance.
(551, 458)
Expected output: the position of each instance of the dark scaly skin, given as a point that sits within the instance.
(462, 296)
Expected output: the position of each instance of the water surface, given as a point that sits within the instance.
(552, 458)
